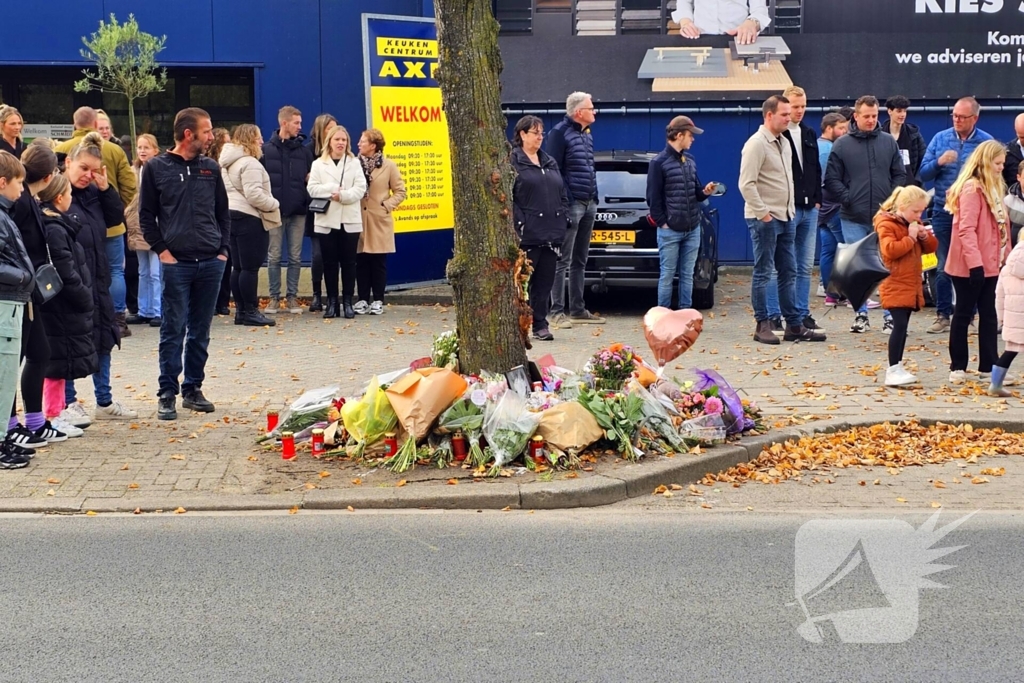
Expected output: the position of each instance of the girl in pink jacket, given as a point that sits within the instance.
(978, 247)
(1010, 309)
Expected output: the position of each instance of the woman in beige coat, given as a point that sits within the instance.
(385, 191)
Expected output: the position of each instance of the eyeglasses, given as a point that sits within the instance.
(535, 132)
(586, 109)
(960, 117)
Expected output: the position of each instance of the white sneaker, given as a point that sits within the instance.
(377, 308)
(897, 376)
(75, 415)
(71, 430)
(821, 290)
(957, 377)
(293, 306)
(872, 304)
(115, 411)
(361, 307)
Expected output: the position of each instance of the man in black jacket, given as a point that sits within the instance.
(1014, 151)
(183, 212)
(908, 137)
(674, 194)
(287, 159)
(864, 168)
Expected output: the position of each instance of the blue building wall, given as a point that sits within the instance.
(308, 53)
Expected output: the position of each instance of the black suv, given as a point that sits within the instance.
(624, 247)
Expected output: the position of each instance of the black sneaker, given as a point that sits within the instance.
(155, 322)
(26, 453)
(49, 434)
(812, 324)
(21, 436)
(9, 460)
(777, 326)
(194, 400)
(167, 409)
(799, 333)
(543, 335)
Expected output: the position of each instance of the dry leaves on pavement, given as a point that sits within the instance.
(893, 446)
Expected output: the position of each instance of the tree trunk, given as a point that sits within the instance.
(481, 270)
(131, 123)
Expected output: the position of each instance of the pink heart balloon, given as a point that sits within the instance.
(671, 333)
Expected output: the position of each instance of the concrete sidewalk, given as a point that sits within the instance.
(212, 462)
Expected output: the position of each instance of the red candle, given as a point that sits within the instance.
(287, 446)
(459, 446)
(271, 420)
(318, 446)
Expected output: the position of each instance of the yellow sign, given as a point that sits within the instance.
(416, 132)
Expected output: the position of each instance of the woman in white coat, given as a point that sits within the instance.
(339, 176)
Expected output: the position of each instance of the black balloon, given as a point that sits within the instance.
(857, 270)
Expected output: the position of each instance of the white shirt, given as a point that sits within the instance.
(794, 132)
(718, 16)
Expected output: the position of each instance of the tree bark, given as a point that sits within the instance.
(481, 270)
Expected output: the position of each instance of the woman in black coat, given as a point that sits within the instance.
(541, 214)
(67, 317)
(97, 206)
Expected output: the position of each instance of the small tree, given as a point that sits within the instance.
(125, 59)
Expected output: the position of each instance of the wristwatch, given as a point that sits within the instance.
(757, 24)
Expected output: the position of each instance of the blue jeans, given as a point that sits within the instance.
(806, 222)
(853, 232)
(190, 292)
(118, 289)
(678, 254)
(774, 246)
(100, 384)
(942, 224)
(831, 235)
(293, 229)
(575, 250)
(149, 284)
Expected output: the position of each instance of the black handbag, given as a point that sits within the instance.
(48, 282)
(319, 204)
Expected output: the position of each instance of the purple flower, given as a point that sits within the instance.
(713, 406)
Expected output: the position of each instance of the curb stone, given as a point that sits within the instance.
(630, 481)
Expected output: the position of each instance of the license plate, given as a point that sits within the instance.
(929, 261)
(613, 237)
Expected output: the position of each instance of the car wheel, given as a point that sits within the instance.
(703, 299)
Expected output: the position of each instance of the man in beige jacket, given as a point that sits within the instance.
(766, 183)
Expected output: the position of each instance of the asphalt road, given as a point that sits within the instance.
(567, 596)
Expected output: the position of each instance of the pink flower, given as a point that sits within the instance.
(713, 406)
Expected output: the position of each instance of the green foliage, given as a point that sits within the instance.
(125, 59)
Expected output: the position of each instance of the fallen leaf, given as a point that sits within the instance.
(90, 513)
(749, 509)
(308, 486)
(137, 511)
(133, 426)
(133, 485)
(180, 511)
(350, 508)
(51, 492)
(939, 484)
(668, 494)
(572, 475)
(706, 506)
(252, 458)
(979, 480)
(507, 508)
(401, 483)
(357, 481)
(936, 504)
(177, 456)
(325, 474)
(53, 480)
(453, 482)
(676, 487)
(660, 490)
(293, 510)
(862, 483)
(901, 500)
(994, 471)
(124, 467)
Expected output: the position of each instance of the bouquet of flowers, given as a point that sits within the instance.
(508, 426)
(611, 367)
(620, 415)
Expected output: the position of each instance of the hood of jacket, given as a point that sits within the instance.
(291, 143)
(1015, 262)
(863, 134)
(231, 153)
(886, 217)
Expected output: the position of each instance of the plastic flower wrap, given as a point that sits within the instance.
(732, 414)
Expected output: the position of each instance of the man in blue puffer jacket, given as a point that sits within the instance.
(571, 146)
(674, 194)
(943, 160)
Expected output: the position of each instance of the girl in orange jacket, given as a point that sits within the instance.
(902, 239)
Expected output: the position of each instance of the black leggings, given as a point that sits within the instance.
(35, 351)
(131, 278)
(967, 298)
(339, 249)
(544, 261)
(249, 242)
(372, 273)
(1005, 359)
(898, 338)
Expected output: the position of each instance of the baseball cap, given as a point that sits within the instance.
(683, 123)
